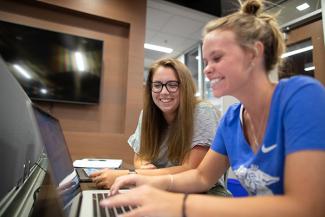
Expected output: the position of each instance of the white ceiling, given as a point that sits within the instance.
(177, 27)
(174, 26)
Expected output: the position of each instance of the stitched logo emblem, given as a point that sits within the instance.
(266, 150)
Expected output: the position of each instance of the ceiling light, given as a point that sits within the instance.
(309, 68)
(157, 48)
(304, 49)
(302, 7)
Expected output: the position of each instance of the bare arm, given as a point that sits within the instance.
(212, 167)
(105, 178)
(193, 159)
(304, 193)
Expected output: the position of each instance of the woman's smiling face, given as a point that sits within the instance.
(166, 101)
(227, 64)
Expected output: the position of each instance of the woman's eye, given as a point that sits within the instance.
(216, 59)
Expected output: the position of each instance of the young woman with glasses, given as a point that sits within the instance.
(175, 129)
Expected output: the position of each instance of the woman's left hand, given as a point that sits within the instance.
(149, 202)
(106, 177)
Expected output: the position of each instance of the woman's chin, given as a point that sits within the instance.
(167, 109)
(218, 93)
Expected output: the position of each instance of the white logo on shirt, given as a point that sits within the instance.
(255, 180)
(266, 150)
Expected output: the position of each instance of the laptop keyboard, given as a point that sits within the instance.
(100, 211)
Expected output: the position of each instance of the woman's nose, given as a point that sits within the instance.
(206, 70)
(164, 90)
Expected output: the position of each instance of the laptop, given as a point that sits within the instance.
(74, 201)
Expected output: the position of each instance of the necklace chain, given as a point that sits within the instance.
(256, 134)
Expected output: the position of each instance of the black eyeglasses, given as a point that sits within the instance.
(171, 86)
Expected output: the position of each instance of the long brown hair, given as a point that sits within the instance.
(251, 24)
(153, 123)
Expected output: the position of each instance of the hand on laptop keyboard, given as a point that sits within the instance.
(137, 180)
(105, 211)
(106, 177)
(149, 202)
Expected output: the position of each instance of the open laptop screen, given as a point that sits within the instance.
(62, 171)
(75, 202)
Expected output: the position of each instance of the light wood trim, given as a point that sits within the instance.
(313, 31)
(101, 130)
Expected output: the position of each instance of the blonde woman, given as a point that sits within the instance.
(274, 139)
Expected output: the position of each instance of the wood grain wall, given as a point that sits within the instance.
(314, 32)
(96, 130)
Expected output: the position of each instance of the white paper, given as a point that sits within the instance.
(98, 163)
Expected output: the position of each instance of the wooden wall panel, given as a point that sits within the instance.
(313, 31)
(96, 130)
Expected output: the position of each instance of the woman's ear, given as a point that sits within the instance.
(258, 49)
(256, 52)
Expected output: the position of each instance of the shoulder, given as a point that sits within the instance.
(232, 113)
(206, 108)
(299, 82)
(300, 87)
(231, 116)
(203, 104)
(140, 117)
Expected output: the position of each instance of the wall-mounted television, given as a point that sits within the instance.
(53, 66)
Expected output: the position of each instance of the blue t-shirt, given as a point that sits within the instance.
(296, 122)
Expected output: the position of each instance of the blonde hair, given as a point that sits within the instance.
(251, 24)
(153, 123)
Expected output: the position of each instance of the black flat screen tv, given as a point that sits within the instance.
(53, 66)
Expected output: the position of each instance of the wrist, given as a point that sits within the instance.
(171, 182)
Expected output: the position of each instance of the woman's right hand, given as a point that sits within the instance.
(149, 202)
(138, 180)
